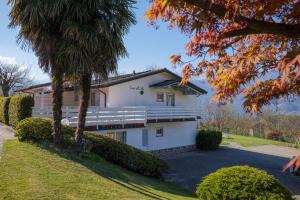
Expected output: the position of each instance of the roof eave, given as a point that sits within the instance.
(133, 77)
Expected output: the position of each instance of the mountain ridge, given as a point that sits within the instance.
(283, 105)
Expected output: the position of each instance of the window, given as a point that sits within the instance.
(170, 99)
(160, 97)
(121, 136)
(159, 132)
(110, 135)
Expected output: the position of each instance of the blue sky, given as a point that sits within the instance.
(146, 45)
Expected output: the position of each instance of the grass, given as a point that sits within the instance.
(247, 141)
(33, 172)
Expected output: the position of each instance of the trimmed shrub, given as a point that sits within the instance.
(34, 129)
(20, 107)
(208, 139)
(274, 135)
(127, 156)
(4, 105)
(40, 130)
(241, 182)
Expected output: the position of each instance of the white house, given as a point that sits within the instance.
(149, 110)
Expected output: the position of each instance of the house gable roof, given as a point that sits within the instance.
(188, 88)
(125, 78)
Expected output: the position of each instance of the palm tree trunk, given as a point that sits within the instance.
(57, 88)
(85, 87)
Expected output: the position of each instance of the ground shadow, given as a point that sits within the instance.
(188, 169)
(128, 179)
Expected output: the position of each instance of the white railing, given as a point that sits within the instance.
(97, 116)
(157, 113)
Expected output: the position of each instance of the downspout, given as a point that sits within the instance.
(104, 97)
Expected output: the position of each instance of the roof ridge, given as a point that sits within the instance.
(124, 78)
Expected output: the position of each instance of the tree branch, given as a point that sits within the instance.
(239, 32)
(11, 76)
(257, 26)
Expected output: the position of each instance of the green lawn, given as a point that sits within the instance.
(31, 172)
(247, 141)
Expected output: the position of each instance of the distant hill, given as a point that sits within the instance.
(291, 106)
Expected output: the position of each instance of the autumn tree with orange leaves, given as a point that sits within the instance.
(241, 46)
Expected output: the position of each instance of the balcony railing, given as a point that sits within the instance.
(172, 113)
(97, 116)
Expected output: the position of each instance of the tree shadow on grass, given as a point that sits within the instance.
(121, 176)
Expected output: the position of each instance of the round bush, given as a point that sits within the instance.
(208, 139)
(241, 182)
(39, 130)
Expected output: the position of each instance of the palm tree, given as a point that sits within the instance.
(96, 44)
(40, 23)
(77, 37)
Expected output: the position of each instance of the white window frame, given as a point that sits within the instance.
(160, 99)
(167, 100)
(161, 130)
(124, 136)
(114, 134)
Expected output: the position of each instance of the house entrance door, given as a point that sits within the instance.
(170, 99)
(145, 139)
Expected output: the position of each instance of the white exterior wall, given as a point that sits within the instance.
(45, 100)
(100, 97)
(42, 100)
(176, 134)
(69, 99)
(128, 93)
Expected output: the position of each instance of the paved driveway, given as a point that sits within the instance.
(187, 169)
(6, 133)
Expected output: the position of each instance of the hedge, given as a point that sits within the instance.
(4, 106)
(208, 139)
(241, 182)
(40, 130)
(127, 156)
(20, 107)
